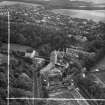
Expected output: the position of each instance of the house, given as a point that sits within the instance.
(76, 52)
(39, 61)
(80, 38)
(55, 55)
(31, 53)
(57, 58)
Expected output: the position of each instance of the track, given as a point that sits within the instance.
(60, 91)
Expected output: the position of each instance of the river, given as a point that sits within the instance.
(95, 15)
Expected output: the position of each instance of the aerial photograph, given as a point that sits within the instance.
(52, 52)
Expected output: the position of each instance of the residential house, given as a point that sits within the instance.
(31, 53)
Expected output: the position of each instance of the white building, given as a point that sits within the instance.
(31, 54)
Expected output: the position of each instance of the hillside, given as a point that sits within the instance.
(51, 4)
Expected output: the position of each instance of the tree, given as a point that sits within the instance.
(3, 80)
(45, 50)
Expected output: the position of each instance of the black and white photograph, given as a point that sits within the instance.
(52, 52)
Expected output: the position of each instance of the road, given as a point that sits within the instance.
(100, 76)
(69, 94)
(58, 91)
(100, 64)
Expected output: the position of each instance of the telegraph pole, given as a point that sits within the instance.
(8, 52)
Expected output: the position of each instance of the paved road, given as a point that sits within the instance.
(100, 76)
(57, 90)
(100, 64)
(63, 92)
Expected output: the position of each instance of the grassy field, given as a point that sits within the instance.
(16, 47)
(96, 15)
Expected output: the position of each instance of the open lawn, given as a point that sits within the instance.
(16, 47)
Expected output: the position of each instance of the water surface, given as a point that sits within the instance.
(96, 15)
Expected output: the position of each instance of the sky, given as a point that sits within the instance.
(94, 1)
